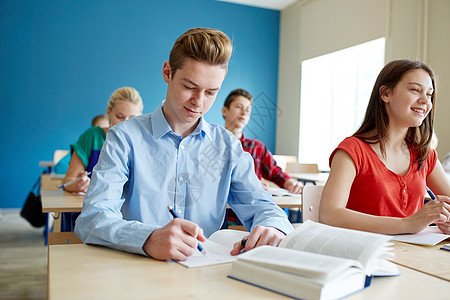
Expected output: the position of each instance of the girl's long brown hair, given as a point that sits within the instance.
(377, 119)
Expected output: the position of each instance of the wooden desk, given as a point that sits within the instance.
(50, 182)
(316, 178)
(85, 272)
(47, 164)
(60, 201)
(288, 201)
(426, 259)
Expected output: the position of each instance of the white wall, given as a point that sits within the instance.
(415, 29)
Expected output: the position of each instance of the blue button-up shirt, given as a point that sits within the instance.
(144, 167)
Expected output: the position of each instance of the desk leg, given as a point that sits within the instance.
(57, 222)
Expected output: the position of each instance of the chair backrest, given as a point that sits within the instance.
(311, 195)
(282, 160)
(301, 168)
(58, 155)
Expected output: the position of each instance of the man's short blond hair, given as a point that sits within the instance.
(201, 44)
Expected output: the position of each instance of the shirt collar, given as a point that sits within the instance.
(161, 127)
(204, 128)
(159, 123)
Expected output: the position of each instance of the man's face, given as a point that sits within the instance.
(238, 115)
(191, 92)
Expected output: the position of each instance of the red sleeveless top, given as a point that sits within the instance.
(377, 190)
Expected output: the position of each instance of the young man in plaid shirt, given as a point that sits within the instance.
(236, 112)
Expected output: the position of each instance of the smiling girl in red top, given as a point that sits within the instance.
(378, 176)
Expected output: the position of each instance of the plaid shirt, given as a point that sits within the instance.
(265, 165)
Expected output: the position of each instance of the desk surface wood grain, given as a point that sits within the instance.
(427, 259)
(84, 272)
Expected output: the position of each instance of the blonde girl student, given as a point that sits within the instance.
(123, 104)
(378, 176)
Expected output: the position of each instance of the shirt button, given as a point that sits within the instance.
(180, 178)
(179, 211)
(182, 147)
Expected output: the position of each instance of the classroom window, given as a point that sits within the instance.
(335, 90)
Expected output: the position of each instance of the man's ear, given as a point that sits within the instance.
(385, 93)
(224, 111)
(166, 72)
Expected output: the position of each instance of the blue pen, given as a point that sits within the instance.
(433, 197)
(175, 215)
(73, 180)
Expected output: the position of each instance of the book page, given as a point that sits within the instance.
(429, 236)
(323, 239)
(298, 262)
(217, 247)
(227, 237)
(297, 286)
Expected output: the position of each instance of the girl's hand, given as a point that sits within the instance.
(80, 186)
(444, 226)
(431, 212)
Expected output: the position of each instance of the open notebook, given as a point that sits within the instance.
(217, 247)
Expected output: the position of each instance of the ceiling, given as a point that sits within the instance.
(271, 4)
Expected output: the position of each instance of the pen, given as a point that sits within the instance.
(73, 180)
(175, 215)
(432, 196)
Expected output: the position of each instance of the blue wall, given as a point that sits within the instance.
(61, 60)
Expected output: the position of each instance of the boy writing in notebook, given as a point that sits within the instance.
(173, 157)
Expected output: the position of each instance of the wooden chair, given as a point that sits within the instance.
(311, 196)
(282, 160)
(58, 155)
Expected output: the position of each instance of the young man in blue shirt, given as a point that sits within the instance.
(173, 157)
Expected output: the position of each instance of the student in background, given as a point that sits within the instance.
(123, 104)
(236, 112)
(63, 164)
(173, 157)
(101, 121)
(378, 176)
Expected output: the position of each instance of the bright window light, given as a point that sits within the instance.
(335, 90)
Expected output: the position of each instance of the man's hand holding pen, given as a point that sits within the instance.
(177, 240)
(259, 236)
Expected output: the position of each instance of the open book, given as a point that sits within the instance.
(317, 261)
(445, 247)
